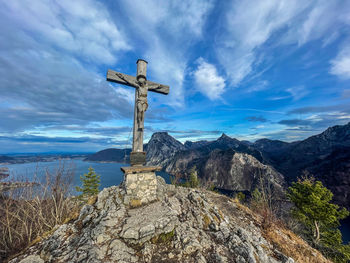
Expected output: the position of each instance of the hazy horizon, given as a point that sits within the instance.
(269, 69)
(125, 147)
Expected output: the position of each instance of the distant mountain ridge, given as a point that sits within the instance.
(300, 155)
(225, 163)
(110, 155)
(230, 163)
(4, 158)
(161, 148)
(326, 156)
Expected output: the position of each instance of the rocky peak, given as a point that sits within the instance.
(240, 172)
(161, 147)
(164, 137)
(336, 134)
(230, 142)
(327, 141)
(184, 225)
(224, 137)
(160, 135)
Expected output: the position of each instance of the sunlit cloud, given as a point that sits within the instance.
(340, 66)
(208, 81)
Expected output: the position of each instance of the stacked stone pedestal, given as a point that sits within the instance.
(140, 184)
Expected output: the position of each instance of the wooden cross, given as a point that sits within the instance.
(142, 85)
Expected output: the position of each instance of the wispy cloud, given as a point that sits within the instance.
(295, 122)
(54, 55)
(31, 143)
(340, 66)
(104, 131)
(208, 81)
(321, 17)
(258, 86)
(45, 72)
(168, 29)
(61, 91)
(318, 109)
(256, 119)
(248, 26)
(307, 126)
(82, 28)
(297, 92)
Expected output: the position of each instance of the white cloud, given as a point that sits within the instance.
(298, 92)
(127, 93)
(248, 25)
(322, 17)
(50, 52)
(83, 28)
(178, 18)
(208, 81)
(167, 30)
(340, 66)
(43, 86)
(168, 67)
(258, 86)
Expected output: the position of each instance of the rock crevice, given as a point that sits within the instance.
(183, 225)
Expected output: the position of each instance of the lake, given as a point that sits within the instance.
(110, 172)
(110, 175)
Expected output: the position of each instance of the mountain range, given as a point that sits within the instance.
(234, 165)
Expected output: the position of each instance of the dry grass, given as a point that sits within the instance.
(27, 214)
(272, 229)
(293, 246)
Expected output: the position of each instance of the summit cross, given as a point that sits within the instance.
(142, 85)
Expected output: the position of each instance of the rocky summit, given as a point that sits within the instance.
(161, 148)
(183, 225)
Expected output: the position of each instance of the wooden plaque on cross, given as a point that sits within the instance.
(142, 86)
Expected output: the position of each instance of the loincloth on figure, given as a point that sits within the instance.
(142, 106)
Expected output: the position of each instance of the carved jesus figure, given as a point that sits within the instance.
(142, 85)
(142, 105)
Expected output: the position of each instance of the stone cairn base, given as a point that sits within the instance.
(140, 185)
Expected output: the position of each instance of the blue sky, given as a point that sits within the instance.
(251, 69)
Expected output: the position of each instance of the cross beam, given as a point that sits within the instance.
(131, 81)
(141, 85)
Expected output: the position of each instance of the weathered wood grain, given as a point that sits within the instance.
(131, 81)
(142, 86)
(121, 78)
(159, 88)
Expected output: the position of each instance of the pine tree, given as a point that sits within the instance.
(194, 182)
(313, 208)
(91, 183)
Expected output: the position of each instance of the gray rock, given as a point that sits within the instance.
(32, 259)
(147, 230)
(131, 233)
(182, 227)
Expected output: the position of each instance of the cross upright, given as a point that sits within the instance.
(142, 85)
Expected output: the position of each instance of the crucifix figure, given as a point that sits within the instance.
(142, 85)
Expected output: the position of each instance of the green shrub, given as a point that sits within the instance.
(240, 196)
(91, 183)
(194, 181)
(313, 208)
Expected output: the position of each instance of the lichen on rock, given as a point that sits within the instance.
(184, 225)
